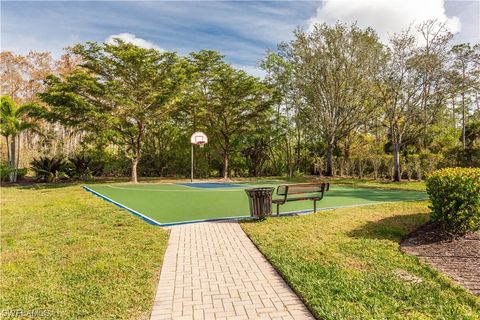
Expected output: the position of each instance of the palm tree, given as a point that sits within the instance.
(15, 119)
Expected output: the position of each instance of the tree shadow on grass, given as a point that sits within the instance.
(44, 185)
(32, 184)
(392, 228)
(377, 195)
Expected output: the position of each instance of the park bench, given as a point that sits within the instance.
(299, 192)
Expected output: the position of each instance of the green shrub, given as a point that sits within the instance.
(5, 171)
(455, 196)
(50, 169)
(85, 166)
(464, 157)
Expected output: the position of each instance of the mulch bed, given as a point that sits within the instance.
(459, 258)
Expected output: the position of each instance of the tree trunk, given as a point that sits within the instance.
(453, 113)
(396, 162)
(290, 170)
(17, 163)
(133, 178)
(289, 157)
(298, 150)
(478, 102)
(329, 170)
(463, 121)
(225, 166)
(375, 166)
(8, 150)
(13, 148)
(360, 169)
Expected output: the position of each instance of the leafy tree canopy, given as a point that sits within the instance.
(118, 90)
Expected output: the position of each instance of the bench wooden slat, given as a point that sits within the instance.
(315, 193)
(281, 201)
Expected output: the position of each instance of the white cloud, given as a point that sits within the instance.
(133, 39)
(385, 16)
(251, 70)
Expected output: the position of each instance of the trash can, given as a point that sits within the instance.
(260, 200)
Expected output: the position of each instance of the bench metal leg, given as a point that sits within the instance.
(314, 206)
(278, 209)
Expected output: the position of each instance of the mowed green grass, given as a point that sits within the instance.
(167, 203)
(346, 264)
(76, 256)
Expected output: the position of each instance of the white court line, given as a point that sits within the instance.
(118, 204)
(189, 185)
(196, 189)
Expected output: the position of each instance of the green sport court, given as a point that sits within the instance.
(175, 203)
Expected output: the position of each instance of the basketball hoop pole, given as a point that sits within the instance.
(191, 170)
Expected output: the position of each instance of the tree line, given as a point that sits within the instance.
(334, 101)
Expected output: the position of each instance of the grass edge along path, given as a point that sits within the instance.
(72, 256)
(346, 264)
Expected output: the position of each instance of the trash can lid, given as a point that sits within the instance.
(258, 191)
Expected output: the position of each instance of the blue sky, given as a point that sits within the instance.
(241, 30)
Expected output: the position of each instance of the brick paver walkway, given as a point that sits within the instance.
(213, 271)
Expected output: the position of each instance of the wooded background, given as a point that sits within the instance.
(334, 101)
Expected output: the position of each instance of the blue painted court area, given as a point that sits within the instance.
(211, 185)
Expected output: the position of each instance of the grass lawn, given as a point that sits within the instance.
(346, 264)
(370, 183)
(76, 256)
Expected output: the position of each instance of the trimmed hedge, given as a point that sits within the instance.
(455, 197)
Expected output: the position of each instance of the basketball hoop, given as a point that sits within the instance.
(200, 139)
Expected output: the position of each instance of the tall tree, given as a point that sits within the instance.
(22, 79)
(412, 86)
(14, 120)
(23, 75)
(204, 67)
(288, 122)
(334, 68)
(118, 91)
(232, 101)
(258, 144)
(464, 73)
(429, 60)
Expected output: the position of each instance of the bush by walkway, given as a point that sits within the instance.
(455, 196)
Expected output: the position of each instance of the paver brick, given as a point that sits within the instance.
(213, 271)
